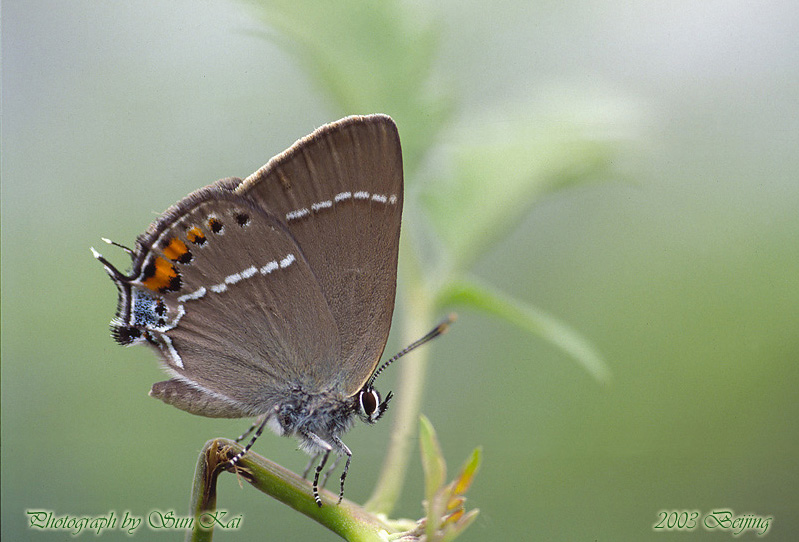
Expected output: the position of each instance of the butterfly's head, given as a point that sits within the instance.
(370, 405)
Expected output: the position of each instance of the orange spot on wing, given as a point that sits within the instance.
(196, 236)
(163, 276)
(175, 249)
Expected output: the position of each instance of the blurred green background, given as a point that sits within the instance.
(683, 270)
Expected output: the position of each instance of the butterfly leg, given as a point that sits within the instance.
(320, 443)
(250, 430)
(346, 451)
(232, 462)
(319, 468)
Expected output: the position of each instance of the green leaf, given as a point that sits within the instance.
(491, 171)
(369, 57)
(483, 297)
(435, 469)
(468, 471)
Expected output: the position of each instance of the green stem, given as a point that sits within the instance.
(417, 318)
(203, 496)
(346, 519)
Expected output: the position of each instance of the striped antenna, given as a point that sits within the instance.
(440, 329)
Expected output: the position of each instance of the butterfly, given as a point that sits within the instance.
(272, 296)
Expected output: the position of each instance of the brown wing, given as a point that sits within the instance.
(340, 192)
(226, 295)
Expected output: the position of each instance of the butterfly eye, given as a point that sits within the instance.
(370, 405)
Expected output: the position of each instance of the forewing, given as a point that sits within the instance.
(340, 193)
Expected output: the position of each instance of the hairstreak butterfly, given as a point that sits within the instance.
(272, 296)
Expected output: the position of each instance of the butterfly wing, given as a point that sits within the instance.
(340, 192)
(223, 291)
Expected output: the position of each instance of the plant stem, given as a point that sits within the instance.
(417, 318)
(203, 495)
(346, 518)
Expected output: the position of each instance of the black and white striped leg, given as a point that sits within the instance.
(232, 462)
(255, 424)
(343, 448)
(319, 468)
(319, 442)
